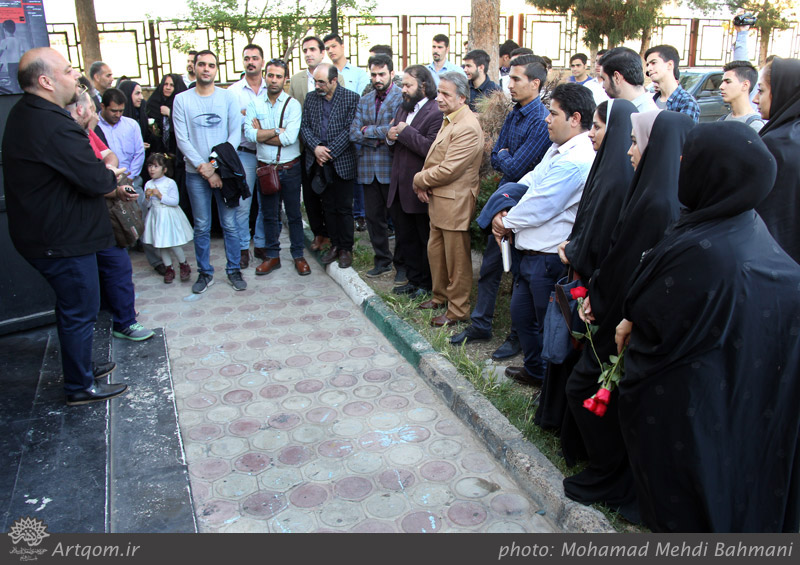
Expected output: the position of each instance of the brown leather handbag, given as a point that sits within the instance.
(268, 180)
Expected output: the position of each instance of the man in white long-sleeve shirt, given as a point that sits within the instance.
(543, 215)
(204, 117)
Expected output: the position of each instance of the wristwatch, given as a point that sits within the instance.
(277, 132)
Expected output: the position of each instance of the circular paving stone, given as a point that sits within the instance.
(477, 463)
(236, 485)
(200, 401)
(261, 409)
(377, 375)
(343, 380)
(422, 414)
(309, 386)
(396, 479)
(249, 307)
(384, 421)
(341, 514)
(244, 427)
(220, 328)
(251, 381)
(298, 361)
(424, 397)
(216, 512)
(320, 335)
(311, 318)
(431, 495)
(375, 441)
(238, 397)
(199, 374)
(273, 391)
(330, 356)
(475, 487)
(210, 468)
(309, 434)
(335, 448)
(367, 391)
(338, 314)
(388, 505)
(393, 402)
(232, 370)
(280, 478)
(358, 408)
(229, 346)
(194, 330)
(413, 434)
(223, 414)
(440, 471)
(269, 440)
(293, 521)
(349, 332)
(333, 397)
(264, 504)
(245, 526)
(374, 527)
(217, 385)
(347, 428)
(266, 366)
(283, 321)
(445, 448)
(362, 352)
(324, 470)
(402, 385)
(254, 324)
(405, 455)
(228, 446)
(252, 462)
(510, 505)
(321, 415)
(205, 432)
(352, 488)
(221, 310)
(467, 514)
(505, 527)
(421, 523)
(257, 343)
(284, 421)
(296, 403)
(364, 463)
(448, 427)
(295, 455)
(308, 496)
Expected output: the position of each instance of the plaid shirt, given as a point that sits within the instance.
(524, 134)
(683, 102)
(374, 157)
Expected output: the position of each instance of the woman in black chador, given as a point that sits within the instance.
(598, 212)
(779, 102)
(709, 401)
(650, 207)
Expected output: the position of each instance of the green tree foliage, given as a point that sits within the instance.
(291, 20)
(615, 20)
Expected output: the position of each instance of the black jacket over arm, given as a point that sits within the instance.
(54, 184)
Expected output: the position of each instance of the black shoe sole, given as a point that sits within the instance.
(91, 400)
(107, 372)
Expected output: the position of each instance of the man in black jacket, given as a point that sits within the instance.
(57, 217)
(331, 157)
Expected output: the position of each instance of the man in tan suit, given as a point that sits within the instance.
(448, 182)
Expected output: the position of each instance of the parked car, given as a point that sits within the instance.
(703, 84)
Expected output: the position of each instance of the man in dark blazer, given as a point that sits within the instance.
(413, 130)
(331, 158)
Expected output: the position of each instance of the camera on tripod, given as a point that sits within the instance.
(744, 20)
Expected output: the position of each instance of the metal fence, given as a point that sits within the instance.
(145, 50)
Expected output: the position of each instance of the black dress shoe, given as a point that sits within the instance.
(330, 256)
(522, 376)
(161, 269)
(100, 370)
(470, 335)
(407, 288)
(509, 348)
(96, 393)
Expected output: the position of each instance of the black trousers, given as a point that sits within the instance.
(337, 204)
(313, 203)
(375, 197)
(411, 243)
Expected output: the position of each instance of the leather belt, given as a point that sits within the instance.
(247, 150)
(529, 252)
(282, 166)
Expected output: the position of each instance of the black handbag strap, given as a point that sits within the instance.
(280, 125)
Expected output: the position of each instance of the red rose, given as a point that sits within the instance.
(603, 396)
(578, 292)
(590, 404)
(600, 410)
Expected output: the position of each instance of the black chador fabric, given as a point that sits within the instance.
(709, 401)
(781, 208)
(651, 206)
(605, 189)
(598, 213)
(169, 143)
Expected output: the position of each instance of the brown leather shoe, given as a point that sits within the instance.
(268, 266)
(345, 258)
(443, 321)
(319, 242)
(430, 305)
(302, 266)
(244, 262)
(330, 256)
(260, 253)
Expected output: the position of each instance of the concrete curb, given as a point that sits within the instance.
(534, 472)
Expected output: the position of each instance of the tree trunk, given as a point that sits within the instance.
(763, 46)
(87, 30)
(647, 37)
(484, 32)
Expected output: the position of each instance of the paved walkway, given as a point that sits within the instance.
(297, 415)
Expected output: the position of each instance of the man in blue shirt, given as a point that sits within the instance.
(522, 142)
(662, 68)
(122, 135)
(440, 64)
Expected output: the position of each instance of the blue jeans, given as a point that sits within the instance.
(200, 194)
(116, 285)
(538, 275)
(358, 201)
(250, 163)
(289, 194)
(488, 285)
(77, 287)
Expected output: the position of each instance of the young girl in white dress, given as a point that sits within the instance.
(166, 227)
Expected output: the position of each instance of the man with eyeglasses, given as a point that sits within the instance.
(273, 124)
(250, 87)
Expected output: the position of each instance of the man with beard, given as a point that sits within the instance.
(278, 144)
(440, 65)
(250, 88)
(206, 116)
(300, 84)
(373, 116)
(623, 77)
(476, 66)
(410, 136)
(331, 158)
(57, 217)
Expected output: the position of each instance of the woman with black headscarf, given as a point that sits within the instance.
(709, 401)
(650, 207)
(778, 101)
(136, 110)
(159, 107)
(598, 212)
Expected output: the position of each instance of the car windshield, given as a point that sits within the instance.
(689, 79)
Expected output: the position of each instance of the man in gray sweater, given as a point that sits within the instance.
(204, 117)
